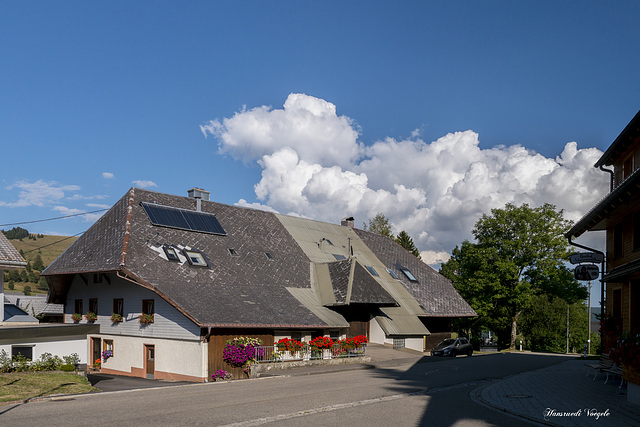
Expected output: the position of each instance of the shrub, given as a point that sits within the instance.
(67, 368)
(47, 362)
(27, 289)
(72, 359)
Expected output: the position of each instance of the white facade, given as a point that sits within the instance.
(57, 346)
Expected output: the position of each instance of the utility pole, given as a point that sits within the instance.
(567, 328)
(589, 321)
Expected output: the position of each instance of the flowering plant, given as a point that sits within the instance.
(611, 330)
(115, 318)
(107, 354)
(97, 364)
(321, 342)
(242, 351)
(626, 350)
(91, 316)
(221, 374)
(289, 344)
(145, 319)
(76, 317)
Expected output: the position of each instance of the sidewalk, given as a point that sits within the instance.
(561, 395)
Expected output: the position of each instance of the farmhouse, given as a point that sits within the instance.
(169, 279)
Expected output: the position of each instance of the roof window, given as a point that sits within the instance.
(339, 257)
(392, 273)
(372, 270)
(410, 276)
(196, 258)
(233, 252)
(171, 253)
(268, 255)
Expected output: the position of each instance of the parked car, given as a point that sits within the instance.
(453, 347)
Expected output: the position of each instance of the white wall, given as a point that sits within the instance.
(58, 346)
(174, 356)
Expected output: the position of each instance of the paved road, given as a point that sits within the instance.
(432, 393)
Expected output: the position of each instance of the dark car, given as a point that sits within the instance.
(453, 347)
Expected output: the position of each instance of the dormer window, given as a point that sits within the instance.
(195, 258)
(407, 273)
(171, 253)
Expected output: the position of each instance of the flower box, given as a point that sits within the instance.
(76, 317)
(91, 317)
(116, 318)
(145, 319)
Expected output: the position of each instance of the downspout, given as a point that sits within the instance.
(610, 172)
(601, 276)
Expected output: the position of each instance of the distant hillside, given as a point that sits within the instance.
(47, 247)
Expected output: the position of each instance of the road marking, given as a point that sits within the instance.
(338, 406)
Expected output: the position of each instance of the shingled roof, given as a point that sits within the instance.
(259, 273)
(9, 255)
(434, 292)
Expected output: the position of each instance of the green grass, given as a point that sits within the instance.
(21, 386)
(48, 247)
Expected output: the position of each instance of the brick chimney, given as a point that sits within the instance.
(348, 221)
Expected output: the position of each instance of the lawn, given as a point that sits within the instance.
(27, 385)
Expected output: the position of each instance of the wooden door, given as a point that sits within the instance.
(96, 351)
(150, 360)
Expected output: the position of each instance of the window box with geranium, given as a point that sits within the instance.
(290, 345)
(76, 317)
(116, 318)
(145, 319)
(91, 316)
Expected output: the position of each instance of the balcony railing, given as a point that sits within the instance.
(272, 354)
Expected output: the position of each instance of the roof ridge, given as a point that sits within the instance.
(127, 231)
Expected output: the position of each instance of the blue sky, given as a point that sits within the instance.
(474, 96)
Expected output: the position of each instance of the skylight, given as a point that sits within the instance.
(268, 255)
(195, 258)
(339, 257)
(372, 270)
(171, 253)
(392, 273)
(233, 252)
(409, 275)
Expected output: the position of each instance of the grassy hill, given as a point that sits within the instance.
(48, 247)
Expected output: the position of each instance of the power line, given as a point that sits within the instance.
(50, 244)
(52, 219)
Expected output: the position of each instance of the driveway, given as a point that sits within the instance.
(106, 382)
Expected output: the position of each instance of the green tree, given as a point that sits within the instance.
(520, 252)
(27, 290)
(14, 275)
(16, 233)
(11, 285)
(404, 240)
(380, 225)
(38, 264)
(24, 277)
(42, 284)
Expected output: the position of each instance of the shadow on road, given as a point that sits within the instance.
(449, 382)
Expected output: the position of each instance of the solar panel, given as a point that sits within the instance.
(183, 219)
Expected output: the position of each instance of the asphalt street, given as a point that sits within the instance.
(425, 391)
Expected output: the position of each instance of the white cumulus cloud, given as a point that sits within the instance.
(107, 175)
(144, 184)
(314, 166)
(39, 193)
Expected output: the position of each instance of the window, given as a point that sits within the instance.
(118, 306)
(392, 273)
(195, 258)
(268, 255)
(339, 257)
(408, 274)
(296, 335)
(372, 270)
(97, 278)
(108, 346)
(334, 335)
(147, 306)
(617, 241)
(171, 253)
(24, 350)
(78, 307)
(93, 305)
(233, 252)
(329, 241)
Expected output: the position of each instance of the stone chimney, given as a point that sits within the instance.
(199, 194)
(348, 221)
